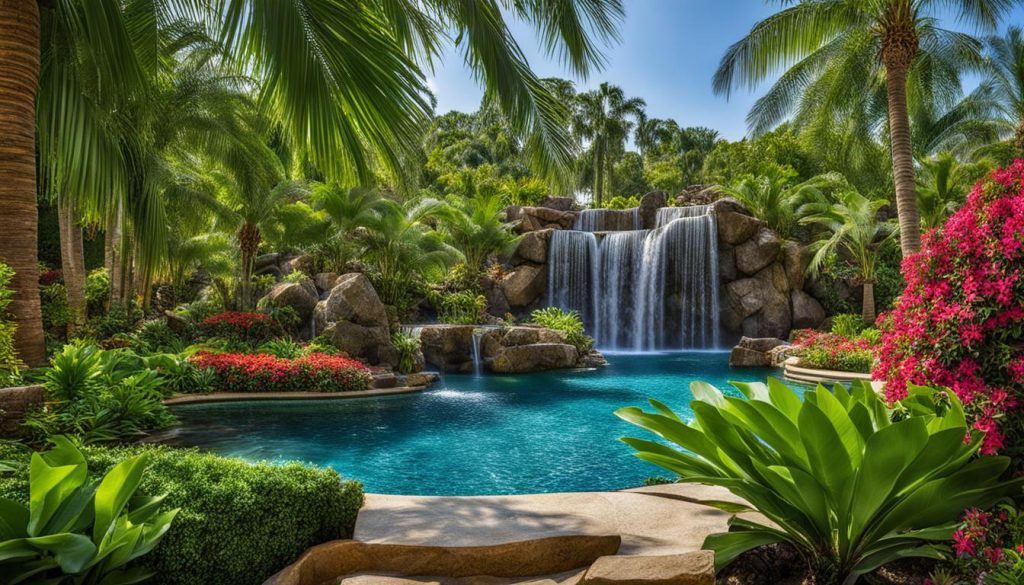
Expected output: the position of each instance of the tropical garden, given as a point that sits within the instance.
(187, 183)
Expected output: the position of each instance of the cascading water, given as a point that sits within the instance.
(478, 362)
(606, 220)
(642, 290)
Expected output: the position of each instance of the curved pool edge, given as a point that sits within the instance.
(182, 399)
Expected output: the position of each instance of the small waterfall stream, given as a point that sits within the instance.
(478, 362)
(642, 290)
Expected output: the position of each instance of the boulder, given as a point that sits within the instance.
(353, 299)
(497, 304)
(777, 356)
(525, 285)
(513, 213)
(299, 296)
(264, 260)
(448, 348)
(741, 357)
(794, 263)
(537, 218)
(807, 311)
(649, 205)
(371, 344)
(558, 203)
(735, 224)
(697, 195)
(758, 252)
(534, 357)
(301, 263)
(690, 568)
(326, 280)
(176, 323)
(533, 247)
(727, 263)
(758, 306)
(514, 336)
(760, 344)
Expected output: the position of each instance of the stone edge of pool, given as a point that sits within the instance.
(264, 396)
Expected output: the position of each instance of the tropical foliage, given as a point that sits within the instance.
(960, 320)
(840, 479)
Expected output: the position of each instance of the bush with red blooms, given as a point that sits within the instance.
(247, 328)
(960, 321)
(49, 277)
(262, 372)
(829, 351)
(987, 544)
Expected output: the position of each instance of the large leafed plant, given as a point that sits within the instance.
(851, 484)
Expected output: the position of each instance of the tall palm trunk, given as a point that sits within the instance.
(72, 260)
(599, 155)
(249, 238)
(868, 311)
(899, 47)
(114, 258)
(1018, 139)
(19, 81)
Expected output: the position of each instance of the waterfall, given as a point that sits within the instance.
(642, 290)
(606, 220)
(478, 362)
(573, 272)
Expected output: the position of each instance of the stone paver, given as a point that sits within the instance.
(656, 520)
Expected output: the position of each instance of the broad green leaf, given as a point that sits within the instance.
(828, 456)
(707, 393)
(13, 520)
(729, 545)
(114, 492)
(73, 552)
(784, 398)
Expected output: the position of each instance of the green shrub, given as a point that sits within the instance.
(460, 308)
(239, 523)
(56, 310)
(99, 396)
(620, 202)
(848, 325)
(871, 335)
(283, 348)
(79, 531)
(121, 318)
(840, 481)
(199, 311)
(10, 365)
(297, 277)
(180, 376)
(97, 290)
(157, 337)
(568, 322)
(407, 346)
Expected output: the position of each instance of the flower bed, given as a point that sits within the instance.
(829, 351)
(261, 372)
(960, 321)
(248, 328)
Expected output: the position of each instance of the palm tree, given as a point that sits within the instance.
(776, 200)
(402, 248)
(344, 210)
(851, 230)
(647, 132)
(602, 117)
(1005, 80)
(474, 227)
(830, 47)
(942, 186)
(342, 75)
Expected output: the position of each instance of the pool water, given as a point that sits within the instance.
(471, 435)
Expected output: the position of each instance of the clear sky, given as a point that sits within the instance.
(667, 56)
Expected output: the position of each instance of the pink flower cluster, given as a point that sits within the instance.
(960, 320)
(983, 539)
(830, 351)
(261, 372)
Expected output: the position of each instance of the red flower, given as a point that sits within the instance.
(242, 372)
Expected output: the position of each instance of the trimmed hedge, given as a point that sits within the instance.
(239, 522)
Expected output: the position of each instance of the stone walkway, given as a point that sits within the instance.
(656, 520)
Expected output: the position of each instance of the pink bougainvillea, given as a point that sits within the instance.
(960, 321)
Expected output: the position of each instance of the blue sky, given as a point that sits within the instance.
(668, 53)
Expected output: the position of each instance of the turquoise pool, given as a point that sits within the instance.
(550, 432)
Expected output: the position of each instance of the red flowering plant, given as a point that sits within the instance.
(49, 277)
(250, 329)
(960, 320)
(262, 372)
(987, 544)
(831, 351)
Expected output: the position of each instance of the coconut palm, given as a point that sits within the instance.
(1005, 81)
(401, 247)
(775, 199)
(828, 47)
(853, 232)
(604, 117)
(342, 75)
(474, 227)
(942, 186)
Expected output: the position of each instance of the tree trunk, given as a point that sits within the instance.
(19, 81)
(249, 238)
(598, 174)
(609, 163)
(897, 55)
(72, 260)
(868, 304)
